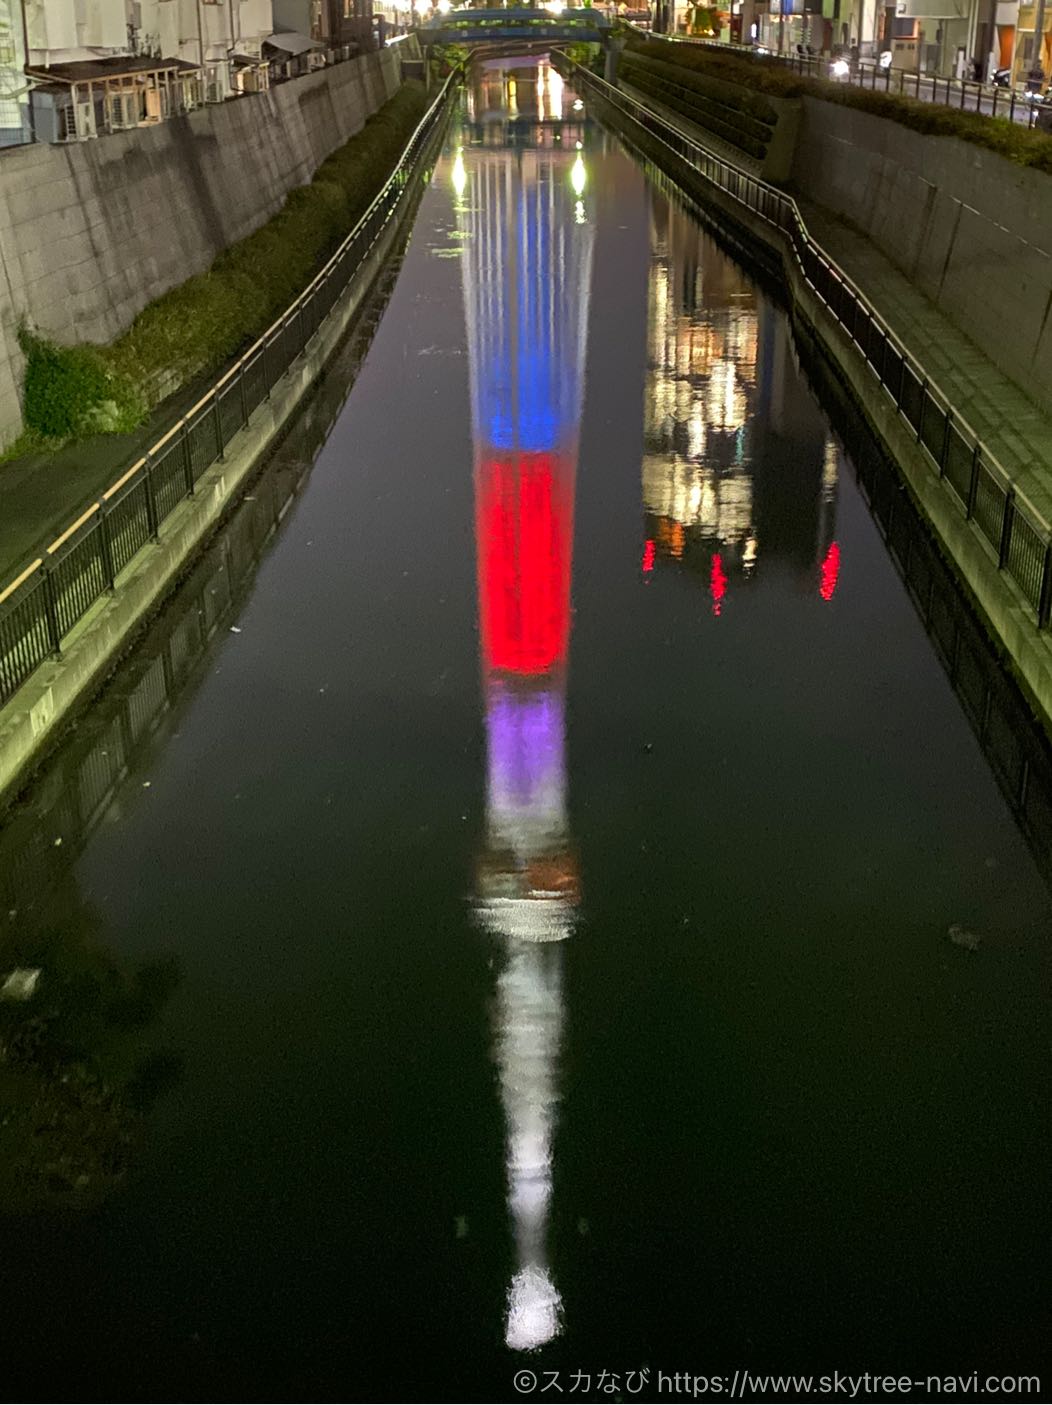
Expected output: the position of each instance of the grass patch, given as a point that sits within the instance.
(196, 327)
(1008, 139)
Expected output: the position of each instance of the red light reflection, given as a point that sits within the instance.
(524, 526)
(717, 584)
(829, 572)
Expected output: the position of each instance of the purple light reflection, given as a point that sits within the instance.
(527, 769)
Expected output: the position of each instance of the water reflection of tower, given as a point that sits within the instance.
(527, 266)
(737, 468)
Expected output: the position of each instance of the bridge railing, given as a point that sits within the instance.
(1015, 533)
(494, 24)
(40, 607)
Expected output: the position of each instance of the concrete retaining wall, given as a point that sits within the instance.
(972, 230)
(92, 232)
(31, 719)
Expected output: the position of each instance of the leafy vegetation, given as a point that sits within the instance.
(1007, 139)
(71, 390)
(589, 56)
(199, 325)
(445, 58)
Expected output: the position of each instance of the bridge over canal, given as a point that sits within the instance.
(582, 26)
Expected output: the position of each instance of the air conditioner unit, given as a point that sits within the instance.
(123, 111)
(84, 120)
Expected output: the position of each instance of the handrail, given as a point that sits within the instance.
(776, 208)
(41, 604)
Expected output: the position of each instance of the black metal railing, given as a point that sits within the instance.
(988, 99)
(1015, 533)
(40, 607)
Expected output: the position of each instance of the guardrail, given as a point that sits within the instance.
(41, 606)
(987, 99)
(1015, 532)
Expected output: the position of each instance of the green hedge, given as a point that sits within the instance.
(731, 95)
(695, 97)
(202, 323)
(1007, 139)
(199, 325)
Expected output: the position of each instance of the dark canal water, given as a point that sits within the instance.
(498, 919)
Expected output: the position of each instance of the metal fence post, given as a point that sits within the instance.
(945, 446)
(1044, 606)
(920, 414)
(151, 500)
(107, 546)
(188, 466)
(51, 610)
(973, 485)
(244, 394)
(218, 419)
(1006, 530)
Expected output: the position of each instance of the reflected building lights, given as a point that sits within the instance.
(737, 467)
(526, 266)
(701, 379)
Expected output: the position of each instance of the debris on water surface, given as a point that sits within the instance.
(234, 629)
(21, 983)
(960, 936)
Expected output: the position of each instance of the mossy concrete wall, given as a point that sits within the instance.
(93, 231)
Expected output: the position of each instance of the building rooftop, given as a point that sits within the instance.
(98, 70)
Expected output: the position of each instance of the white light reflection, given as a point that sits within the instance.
(578, 175)
(555, 93)
(460, 175)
